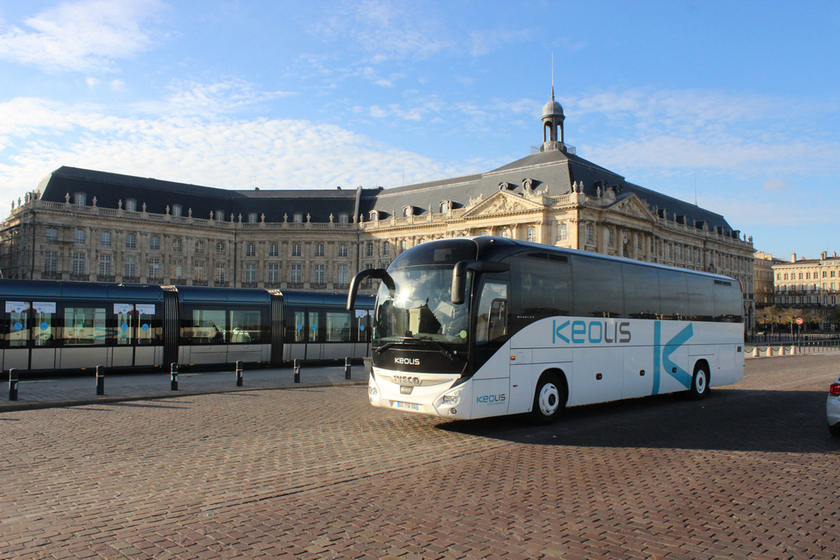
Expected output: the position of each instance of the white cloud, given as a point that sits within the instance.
(83, 36)
(775, 185)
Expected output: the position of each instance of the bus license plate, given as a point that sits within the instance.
(407, 405)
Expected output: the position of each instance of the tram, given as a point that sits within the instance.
(65, 327)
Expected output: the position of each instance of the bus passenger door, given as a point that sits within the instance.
(492, 381)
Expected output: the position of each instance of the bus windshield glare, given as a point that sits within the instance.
(420, 308)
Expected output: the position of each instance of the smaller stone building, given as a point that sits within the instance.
(808, 282)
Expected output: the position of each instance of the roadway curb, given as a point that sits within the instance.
(36, 405)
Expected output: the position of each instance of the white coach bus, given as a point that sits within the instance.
(488, 326)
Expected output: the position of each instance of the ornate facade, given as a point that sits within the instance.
(89, 225)
(808, 282)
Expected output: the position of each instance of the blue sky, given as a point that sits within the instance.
(736, 103)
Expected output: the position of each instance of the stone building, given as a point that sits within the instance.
(765, 287)
(808, 282)
(90, 225)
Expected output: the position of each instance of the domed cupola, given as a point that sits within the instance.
(552, 118)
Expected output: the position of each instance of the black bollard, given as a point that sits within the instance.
(100, 380)
(297, 372)
(13, 384)
(238, 373)
(173, 376)
(347, 368)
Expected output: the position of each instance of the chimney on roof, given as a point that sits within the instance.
(824, 255)
(793, 257)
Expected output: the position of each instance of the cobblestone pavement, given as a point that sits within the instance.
(749, 472)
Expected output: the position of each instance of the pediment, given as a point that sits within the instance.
(502, 202)
(633, 206)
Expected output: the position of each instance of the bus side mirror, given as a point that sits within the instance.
(459, 276)
(379, 273)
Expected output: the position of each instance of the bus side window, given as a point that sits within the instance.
(492, 313)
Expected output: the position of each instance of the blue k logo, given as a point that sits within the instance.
(662, 356)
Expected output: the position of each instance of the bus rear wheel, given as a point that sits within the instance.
(699, 383)
(549, 400)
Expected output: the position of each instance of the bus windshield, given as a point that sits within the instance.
(420, 308)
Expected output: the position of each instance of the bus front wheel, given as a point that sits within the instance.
(699, 383)
(549, 399)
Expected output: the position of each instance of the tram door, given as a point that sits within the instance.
(28, 338)
(133, 344)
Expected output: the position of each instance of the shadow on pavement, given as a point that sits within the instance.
(769, 421)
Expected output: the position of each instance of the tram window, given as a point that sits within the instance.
(298, 326)
(43, 333)
(598, 288)
(84, 326)
(16, 323)
(124, 313)
(338, 326)
(362, 325)
(204, 326)
(641, 296)
(149, 329)
(314, 327)
(248, 326)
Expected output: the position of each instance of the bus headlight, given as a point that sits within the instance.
(452, 399)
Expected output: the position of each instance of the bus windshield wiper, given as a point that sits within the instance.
(402, 339)
(443, 349)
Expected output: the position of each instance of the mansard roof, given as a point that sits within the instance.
(110, 188)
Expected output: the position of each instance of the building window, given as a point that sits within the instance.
(130, 267)
(78, 264)
(105, 265)
(220, 215)
(220, 247)
(531, 234)
(199, 247)
(590, 233)
(154, 268)
(386, 248)
(252, 218)
(220, 273)
(562, 233)
(296, 250)
(79, 237)
(131, 205)
(178, 269)
(154, 243)
(343, 275)
(342, 250)
(273, 250)
(273, 273)
(319, 274)
(199, 272)
(296, 274)
(177, 245)
(51, 234)
(50, 262)
(177, 210)
(319, 249)
(297, 218)
(105, 239)
(343, 219)
(79, 199)
(250, 273)
(250, 250)
(130, 241)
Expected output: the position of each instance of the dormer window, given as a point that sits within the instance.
(80, 199)
(343, 218)
(177, 210)
(374, 216)
(220, 215)
(252, 218)
(131, 205)
(445, 206)
(297, 218)
(408, 211)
